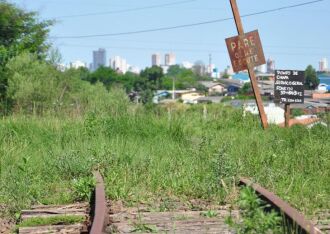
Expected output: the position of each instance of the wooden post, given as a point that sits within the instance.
(252, 75)
(287, 115)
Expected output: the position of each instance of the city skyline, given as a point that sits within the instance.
(120, 64)
(292, 44)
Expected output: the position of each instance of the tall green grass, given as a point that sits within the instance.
(148, 154)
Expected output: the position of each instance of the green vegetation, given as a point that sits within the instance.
(297, 112)
(83, 188)
(141, 227)
(246, 89)
(209, 214)
(253, 215)
(311, 78)
(147, 155)
(20, 32)
(55, 220)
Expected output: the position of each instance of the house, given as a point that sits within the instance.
(233, 89)
(213, 87)
(191, 98)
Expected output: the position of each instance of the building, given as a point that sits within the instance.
(191, 98)
(213, 88)
(156, 60)
(77, 64)
(119, 64)
(134, 69)
(261, 68)
(187, 65)
(99, 58)
(323, 65)
(270, 65)
(170, 59)
(229, 71)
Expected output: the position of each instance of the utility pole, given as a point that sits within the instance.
(252, 75)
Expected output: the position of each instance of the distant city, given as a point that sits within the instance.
(121, 65)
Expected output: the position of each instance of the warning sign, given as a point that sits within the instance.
(245, 50)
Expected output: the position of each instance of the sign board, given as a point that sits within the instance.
(289, 86)
(245, 50)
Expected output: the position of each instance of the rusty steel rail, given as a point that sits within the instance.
(100, 213)
(304, 225)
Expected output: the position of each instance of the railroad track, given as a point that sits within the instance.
(69, 219)
(106, 217)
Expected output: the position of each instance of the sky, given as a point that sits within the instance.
(294, 37)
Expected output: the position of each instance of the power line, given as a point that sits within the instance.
(187, 25)
(126, 10)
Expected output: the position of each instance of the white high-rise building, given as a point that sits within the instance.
(261, 68)
(77, 64)
(170, 59)
(187, 65)
(119, 64)
(99, 58)
(156, 60)
(270, 65)
(323, 65)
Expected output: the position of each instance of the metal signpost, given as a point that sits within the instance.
(289, 88)
(246, 52)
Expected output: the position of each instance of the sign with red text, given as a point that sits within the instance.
(289, 86)
(245, 50)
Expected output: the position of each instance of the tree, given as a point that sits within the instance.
(246, 89)
(154, 76)
(20, 31)
(32, 84)
(311, 79)
(105, 75)
(184, 78)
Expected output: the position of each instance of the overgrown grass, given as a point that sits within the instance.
(161, 153)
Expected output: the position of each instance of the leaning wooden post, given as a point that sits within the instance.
(252, 75)
(287, 115)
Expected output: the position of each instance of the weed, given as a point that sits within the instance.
(141, 227)
(56, 220)
(253, 217)
(83, 188)
(209, 214)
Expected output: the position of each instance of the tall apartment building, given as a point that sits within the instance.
(155, 60)
(119, 64)
(270, 65)
(170, 59)
(99, 58)
(323, 65)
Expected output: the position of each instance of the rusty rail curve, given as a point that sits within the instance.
(100, 213)
(305, 225)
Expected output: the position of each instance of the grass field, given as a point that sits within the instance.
(147, 154)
